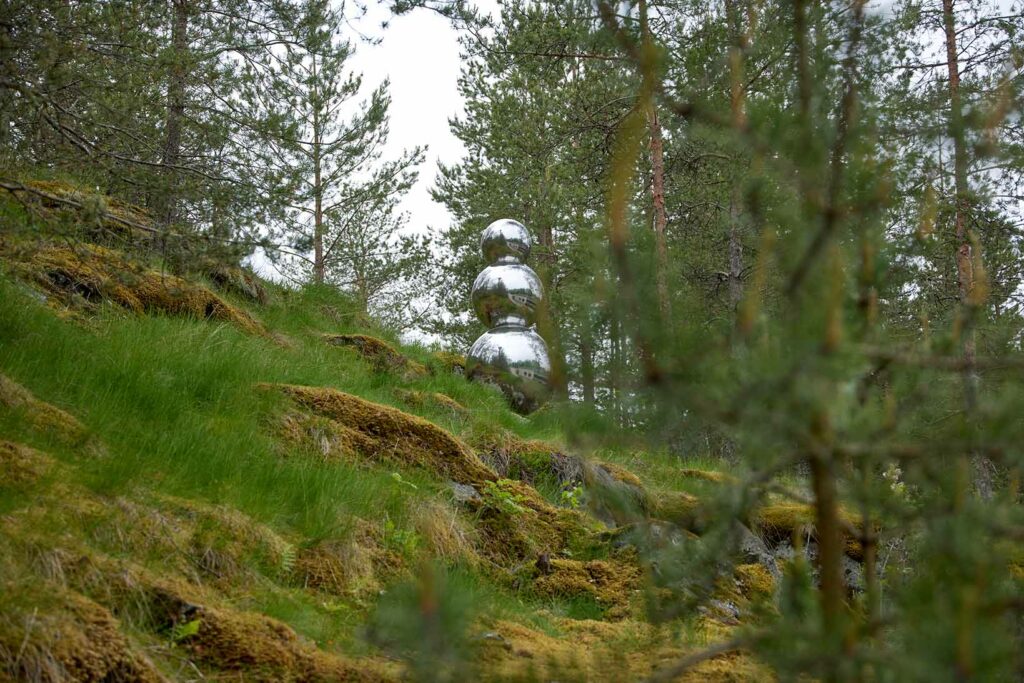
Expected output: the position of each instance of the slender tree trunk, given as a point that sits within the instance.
(587, 364)
(965, 275)
(658, 202)
(547, 325)
(739, 121)
(982, 467)
(319, 269)
(735, 252)
(166, 206)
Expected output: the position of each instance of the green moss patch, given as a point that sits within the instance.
(382, 356)
(86, 275)
(390, 435)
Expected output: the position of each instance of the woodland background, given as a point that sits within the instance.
(784, 234)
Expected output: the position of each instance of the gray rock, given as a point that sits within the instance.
(464, 493)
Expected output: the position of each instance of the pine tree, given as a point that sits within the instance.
(341, 197)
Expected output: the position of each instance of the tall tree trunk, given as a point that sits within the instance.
(965, 274)
(319, 268)
(983, 469)
(547, 325)
(166, 205)
(739, 121)
(658, 202)
(657, 179)
(587, 364)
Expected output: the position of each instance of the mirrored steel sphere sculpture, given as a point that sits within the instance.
(505, 297)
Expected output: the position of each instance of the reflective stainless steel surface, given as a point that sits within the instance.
(507, 293)
(505, 241)
(516, 359)
(505, 298)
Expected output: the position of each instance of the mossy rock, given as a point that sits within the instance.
(515, 523)
(431, 399)
(712, 476)
(383, 357)
(40, 416)
(454, 363)
(387, 434)
(50, 633)
(22, 467)
(678, 507)
(528, 460)
(754, 581)
(86, 275)
(237, 280)
(780, 522)
(98, 213)
(612, 584)
(356, 566)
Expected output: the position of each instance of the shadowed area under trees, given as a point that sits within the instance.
(780, 242)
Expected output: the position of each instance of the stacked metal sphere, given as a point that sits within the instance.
(505, 297)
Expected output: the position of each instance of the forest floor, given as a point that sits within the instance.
(205, 476)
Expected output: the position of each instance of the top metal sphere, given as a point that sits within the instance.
(505, 241)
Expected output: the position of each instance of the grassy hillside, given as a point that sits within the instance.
(204, 476)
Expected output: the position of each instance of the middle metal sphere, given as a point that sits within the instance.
(506, 294)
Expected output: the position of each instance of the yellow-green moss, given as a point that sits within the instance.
(530, 461)
(707, 475)
(236, 280)
(21, 466)
(49, 633)
(41, 416)
(394, 436)
(382, 356)
(357, 565)
(88, 274)
(677, 507)
(779, 522)
(600, 651)
(515, 523)
(451, 362)
(755, 581)
(620, 474)
(321, 438)
(612, 584)
(430, 399)
(94, 206)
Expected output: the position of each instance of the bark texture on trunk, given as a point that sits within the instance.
(658, 203)
(983, 470)
(166, 204)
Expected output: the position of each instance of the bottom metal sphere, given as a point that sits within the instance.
(516, 360)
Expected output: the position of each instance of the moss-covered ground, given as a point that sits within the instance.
(204, 475)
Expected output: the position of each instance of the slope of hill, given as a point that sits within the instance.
(206, 476)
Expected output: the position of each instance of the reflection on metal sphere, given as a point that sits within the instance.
(505, 298)
(505, 241)
(515, 359)
(507, 293)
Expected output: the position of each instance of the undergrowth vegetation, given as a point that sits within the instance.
(265, 499)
